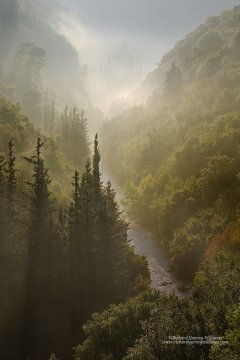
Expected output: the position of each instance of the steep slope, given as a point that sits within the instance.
(62, 154)
(212, 48)
(178, 154)
(36, 59)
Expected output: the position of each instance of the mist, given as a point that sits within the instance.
(122, 41)
(119, 179)
(113, 68)
(97, 55)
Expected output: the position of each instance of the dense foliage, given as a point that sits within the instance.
(153, 325)
(178, 155)
(56, 270)
(65, 259)
(67, 150)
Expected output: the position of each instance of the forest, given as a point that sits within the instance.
(72, 285)
(55, 261)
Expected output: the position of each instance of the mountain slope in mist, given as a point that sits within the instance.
(48, 49)
(201, 54)
(208, 50)
(36, 59)
(178, 154)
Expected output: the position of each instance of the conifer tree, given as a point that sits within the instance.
(11, 179)
(61, 248)
(2, 191)
(62, 225)
(10, 268)
(87, 205)
(81, 263)
(87, 241)
(99, 227)
(75, 255)
(114, 243)
(10, 216)
(2, 170)
(46, 114)
(39, 197)
(173, 83)
(74, 139)
(3, 255)
(39, 264)
(96, 170)
(75, 205)
(11, 226)
(52, 119)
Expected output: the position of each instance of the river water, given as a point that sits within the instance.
(161, 278)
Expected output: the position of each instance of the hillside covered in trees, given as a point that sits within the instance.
(37, 61)
(178, 155)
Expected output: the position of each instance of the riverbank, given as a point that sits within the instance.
(161, 277)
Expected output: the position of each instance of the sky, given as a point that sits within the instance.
(170, 18)
(144, 29)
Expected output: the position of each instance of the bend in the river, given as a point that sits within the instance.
(161, 278)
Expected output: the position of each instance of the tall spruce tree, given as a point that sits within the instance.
(74, 212)
(61, 257)
(115, 243)
(11, 182)
(98, 208)
(10, 258)
(3, 253)
(73, 268)
(87, 241)
(39, 262)
(96, 170)
(39, 199)
(75, 254)
(173, 82)
(81, 251)
(2, 192)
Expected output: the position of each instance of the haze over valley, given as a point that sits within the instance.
(119, 179)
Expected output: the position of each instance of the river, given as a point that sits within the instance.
(161, 278)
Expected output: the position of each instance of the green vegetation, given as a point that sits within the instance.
(111, 333)
(178, 159)
(63, 153)
(55, 271)
(178, 156)
(69, 279)
(139, 328)
(36, 62)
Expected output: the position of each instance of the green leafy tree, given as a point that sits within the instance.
(109, 334)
